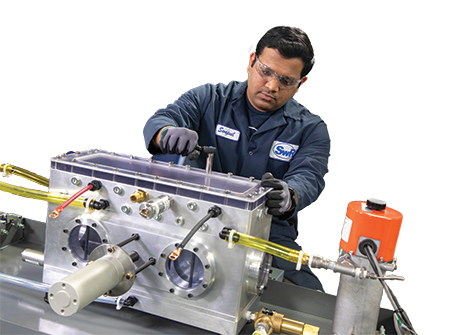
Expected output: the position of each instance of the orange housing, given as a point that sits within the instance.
(379, 225)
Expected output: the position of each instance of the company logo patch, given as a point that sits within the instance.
(229, 133)
(283, 151)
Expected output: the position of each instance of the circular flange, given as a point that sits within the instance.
(191, 274)
(258, 265)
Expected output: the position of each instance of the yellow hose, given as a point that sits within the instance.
(277, 250)
(8, 169)
(39, 195)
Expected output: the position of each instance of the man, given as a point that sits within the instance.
(259, 130)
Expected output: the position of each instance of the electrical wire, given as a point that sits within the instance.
(402, 318)
(213, 212)
(60, 208)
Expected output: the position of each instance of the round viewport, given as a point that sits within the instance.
(186, 271)
(82, 240)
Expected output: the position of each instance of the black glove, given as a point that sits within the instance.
(178, 140)
(279, 199)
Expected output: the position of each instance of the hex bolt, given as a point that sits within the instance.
(204, 227)
(192, 205)
(125, 209)
(118, 190)
(75, 181)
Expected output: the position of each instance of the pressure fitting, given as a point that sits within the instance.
(139, 196)
(267, 321)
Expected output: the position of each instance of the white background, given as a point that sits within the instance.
(77, 75)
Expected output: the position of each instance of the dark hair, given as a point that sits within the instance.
(291, 42)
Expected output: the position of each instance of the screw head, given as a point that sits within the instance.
(179, 220)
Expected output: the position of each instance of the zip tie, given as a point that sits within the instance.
(230, 239)
(299, 262)
(5, 173)
(87, 208)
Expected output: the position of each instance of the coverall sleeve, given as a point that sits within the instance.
(308, 167)
(186, 112)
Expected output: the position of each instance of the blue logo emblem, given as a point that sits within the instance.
(283, 151)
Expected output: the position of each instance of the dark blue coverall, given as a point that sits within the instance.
(293, 144)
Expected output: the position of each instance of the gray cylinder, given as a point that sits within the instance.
(107, 273)
(357, 304)
(33, 257)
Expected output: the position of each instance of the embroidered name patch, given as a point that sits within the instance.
(283, 151)
(229, 133)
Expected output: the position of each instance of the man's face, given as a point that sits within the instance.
(266, 96)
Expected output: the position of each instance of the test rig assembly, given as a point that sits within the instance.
(191, 246)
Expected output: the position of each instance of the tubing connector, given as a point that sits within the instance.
(319, 262)
(267, 321)
(139, 196)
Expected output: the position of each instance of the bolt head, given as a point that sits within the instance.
(75, 181)
(125, 209)
(192, 205)
(118, 190)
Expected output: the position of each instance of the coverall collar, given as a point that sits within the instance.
(277, 119)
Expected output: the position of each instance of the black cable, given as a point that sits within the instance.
(392, 298)
(212, 213)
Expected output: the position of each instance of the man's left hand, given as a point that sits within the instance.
(279, 199)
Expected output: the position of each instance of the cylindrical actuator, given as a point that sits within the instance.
(371, 220)
(113, 274)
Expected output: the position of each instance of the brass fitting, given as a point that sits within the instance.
(305, 258)
(277, 323)
(139, 196)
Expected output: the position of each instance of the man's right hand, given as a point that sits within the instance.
(178, 140)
